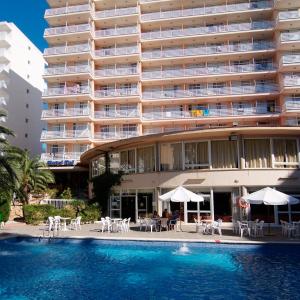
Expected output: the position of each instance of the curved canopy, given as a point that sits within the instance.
(181, 194)
(270, 196)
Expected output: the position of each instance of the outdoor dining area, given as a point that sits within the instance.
(113, 224)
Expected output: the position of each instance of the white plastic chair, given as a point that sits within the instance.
(164, 224)
(243, 228)
(128, 224)
(49, 226)
(57, 225)
(259, 228)
(216, 226)
(76, 223)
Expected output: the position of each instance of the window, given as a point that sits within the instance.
(26, 120)
(27, 91)
(27, 105)
(285, 153)
(257, 153)
(127, 161)
(170, 157)
(98, 166)
(145, 159)
(224, 154)
(196, 155)
(26, 135)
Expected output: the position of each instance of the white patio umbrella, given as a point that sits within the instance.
(181, 194)
(270, 196)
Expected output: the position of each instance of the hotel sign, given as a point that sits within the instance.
(61, 162)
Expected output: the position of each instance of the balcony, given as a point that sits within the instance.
(116, 12)
(291, 58)
(67, 10)
(288, 15)
(68, 49)
(115, 135)
(118, 51)
(203, 11)
(118, 92)
(292, 122)
(66, 134)
(116, 114)
(68, 112)
(67, 90)
(208, 70)
(118, 71)
(116, 31)
(208, 50)
(291, 80)
(290, 36)
(61, 158)
(65, 69)
(292, 104)
(215, 29)
(67, 29)
(207, 112)
(211, 91)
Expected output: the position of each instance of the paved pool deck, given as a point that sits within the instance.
(188, 234)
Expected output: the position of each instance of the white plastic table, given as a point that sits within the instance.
(65, 223)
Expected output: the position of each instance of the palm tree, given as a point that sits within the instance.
(33, 175)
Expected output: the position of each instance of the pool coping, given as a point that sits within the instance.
(178, 240)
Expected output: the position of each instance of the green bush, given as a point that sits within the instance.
(66, 194)
(90, 214)
(35, 214)
(5, 200)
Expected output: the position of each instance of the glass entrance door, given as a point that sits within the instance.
(128, 207)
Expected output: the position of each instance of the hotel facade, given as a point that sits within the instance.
(204, 94)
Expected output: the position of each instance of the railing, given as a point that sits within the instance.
(208, 49)
(290, 59)
(190, 31)
(286, 15)
(208, 70)
(292, 122)
(67, 29)
(67, 10)
(198, 11)
(117, 51)
(291, 80)
(211, 91)
(68, 112)
(115, 135)
(116, 12)
(103, 114)
(292, 103)
(290, 36)
(68, 69)
(67, 49)
(66, 134)
(57, 203)
(67, 90)
(58, 156)
(116, 31)
(212, 112)
(116, 72)
(116, 92)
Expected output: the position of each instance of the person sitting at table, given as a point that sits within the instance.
(155, 215)
(166, 214)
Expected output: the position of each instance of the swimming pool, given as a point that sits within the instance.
(94, 269)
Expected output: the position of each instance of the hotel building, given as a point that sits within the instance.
(204, 94)
(21, 85)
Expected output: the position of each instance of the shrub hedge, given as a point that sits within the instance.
(38, 213)
(5, 200)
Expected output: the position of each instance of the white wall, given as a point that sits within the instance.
(25, 86)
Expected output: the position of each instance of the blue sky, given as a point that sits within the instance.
(28, 15)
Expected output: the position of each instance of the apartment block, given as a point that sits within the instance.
(119, 69)
(21, 86)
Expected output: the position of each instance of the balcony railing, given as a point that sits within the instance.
(291, 58)
(198, 11)
(292, 122)
(116, 92)
(209, 70)
(115, 135)
(291, 80)
(290, 36)
(103, 114)
(116, 12)
(66, 134)
(67, 29)
(208, 49)
(211, 112)
(68, 112)
(67, 10)
(68, 49)
(61, 156)
(190, 31)
(287, 15)
(116, 72)
(116, 31)
(61, 70)
(292, 103)
(211, 91)
(67, 90)
(117, 51)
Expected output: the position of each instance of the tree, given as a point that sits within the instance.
(33, 175)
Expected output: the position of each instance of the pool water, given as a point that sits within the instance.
(93, 269)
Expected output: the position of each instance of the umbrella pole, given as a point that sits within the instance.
(180, 216)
